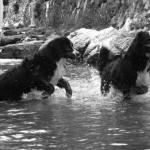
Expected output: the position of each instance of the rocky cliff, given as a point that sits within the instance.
(82, 13)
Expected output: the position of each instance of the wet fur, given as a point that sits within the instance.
(36, 72)
(122, 72)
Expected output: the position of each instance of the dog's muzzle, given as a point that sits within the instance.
(75, 52)
(148, 52)
(72, 55)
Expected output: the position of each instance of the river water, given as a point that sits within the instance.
(88, 121)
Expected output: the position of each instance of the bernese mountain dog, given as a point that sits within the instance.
(127, 72)
(41, 71)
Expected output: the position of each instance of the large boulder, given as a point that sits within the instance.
(85, 40)
(89, 41)
(20, 50)
(5, 40)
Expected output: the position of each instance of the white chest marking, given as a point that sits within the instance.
(143, 78)
(59, 72)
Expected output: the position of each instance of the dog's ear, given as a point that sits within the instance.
(103, 58)
(47, 47)
(143, 37)
(139, 36)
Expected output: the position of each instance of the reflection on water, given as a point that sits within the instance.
(87, 122)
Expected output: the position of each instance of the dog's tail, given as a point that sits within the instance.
(103, 59)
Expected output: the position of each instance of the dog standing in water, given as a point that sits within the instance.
(42, 71)
(127, 72)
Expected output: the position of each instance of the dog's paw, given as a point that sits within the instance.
(126, 97)
(68, 95)
(141, 89)
(69, 92)
(45, 95)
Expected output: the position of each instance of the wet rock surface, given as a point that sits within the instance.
(89, 41)
(22, 42)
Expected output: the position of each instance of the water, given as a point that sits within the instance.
(87, 122)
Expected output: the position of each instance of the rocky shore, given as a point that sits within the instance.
(22, 42)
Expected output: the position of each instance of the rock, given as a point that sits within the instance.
(5, 40)
(10, 32)
(34, 37)
(85, 40)
(104, 37)
(24, 43)
(20, 50)
(89, 41)
(25, 30)
(81, 38)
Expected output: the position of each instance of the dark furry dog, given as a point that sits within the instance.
(42, 71)
(127, 72)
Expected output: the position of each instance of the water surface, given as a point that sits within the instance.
(86, 122)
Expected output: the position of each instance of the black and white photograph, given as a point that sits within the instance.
(74, 74)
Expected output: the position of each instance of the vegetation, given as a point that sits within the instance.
(82, 13)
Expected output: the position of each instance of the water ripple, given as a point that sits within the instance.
(88, 121)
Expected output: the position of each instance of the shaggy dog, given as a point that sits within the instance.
(127, 72)
(42, 71)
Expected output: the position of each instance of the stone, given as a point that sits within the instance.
(89, 41)
(5, 40)
(21, 50)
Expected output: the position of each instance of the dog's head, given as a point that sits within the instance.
(140, 45)
(56, 48)
(139, 51)
(144, 42)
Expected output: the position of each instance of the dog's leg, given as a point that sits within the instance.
(126, 94)
(141, 89)
(62, 83)
(105, 86)
(47, 87)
